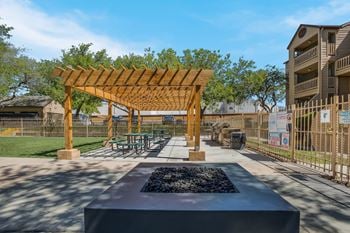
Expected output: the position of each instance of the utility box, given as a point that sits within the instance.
(238, 140)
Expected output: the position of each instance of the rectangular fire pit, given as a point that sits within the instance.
(189, 198)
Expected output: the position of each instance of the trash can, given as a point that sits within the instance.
(238, 140)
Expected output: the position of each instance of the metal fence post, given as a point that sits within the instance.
(87, 127)
(258, 122)
(43, 127)
(334, 135)
(292, 133)
(21, 126)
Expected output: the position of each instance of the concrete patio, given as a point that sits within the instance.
(47, 195)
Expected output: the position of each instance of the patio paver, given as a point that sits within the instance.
(48, 195)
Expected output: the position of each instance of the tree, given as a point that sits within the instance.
(16, 70)
(80, 55)
(267, 86)
(235, 80)
(198, 58)
(215, 91)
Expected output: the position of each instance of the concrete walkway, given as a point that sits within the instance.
(45, 195)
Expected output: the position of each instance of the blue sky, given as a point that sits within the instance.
(258, 30)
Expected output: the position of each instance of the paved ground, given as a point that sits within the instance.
(44, 195)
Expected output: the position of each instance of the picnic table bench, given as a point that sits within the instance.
(128, 145)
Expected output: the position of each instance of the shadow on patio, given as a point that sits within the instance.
(51, 199)
(174, 150)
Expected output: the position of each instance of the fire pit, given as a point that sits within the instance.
(189, 198)
(188, 180)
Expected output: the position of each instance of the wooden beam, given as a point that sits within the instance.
(68, 119)
(129, 120)
(191, 97)
(103, 77)
(105, 95)
(188, 122)
(197, 128)
(139, 121)
(190, 134)
(161, 89)
(110, 120)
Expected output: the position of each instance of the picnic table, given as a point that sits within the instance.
(141, 139)
(158, 133)
(161, 134)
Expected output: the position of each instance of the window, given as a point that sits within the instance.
(331, 69)
(331, 37)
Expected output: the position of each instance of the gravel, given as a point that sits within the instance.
(189, 180)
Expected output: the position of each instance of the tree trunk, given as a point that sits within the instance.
(79, 109)
(202, 111)
(120, 108)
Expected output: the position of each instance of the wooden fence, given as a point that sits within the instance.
(318, 135)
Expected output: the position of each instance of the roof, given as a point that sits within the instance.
(141, 89)
(27, 101)
(316, 26)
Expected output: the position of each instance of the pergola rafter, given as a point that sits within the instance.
(139, 89)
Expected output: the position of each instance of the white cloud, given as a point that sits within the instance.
(331, 11)
(45, 35)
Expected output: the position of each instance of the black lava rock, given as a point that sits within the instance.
(189, 180)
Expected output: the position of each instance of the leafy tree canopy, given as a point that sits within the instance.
(80, 55)
(16, 70)
(232, 81)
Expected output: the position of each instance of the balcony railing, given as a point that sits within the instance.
(330, 49)
(343, 63)
(306, 56)
(307, 85)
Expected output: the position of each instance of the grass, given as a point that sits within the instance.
(43, 146)
(310, 157)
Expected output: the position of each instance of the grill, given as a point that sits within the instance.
(217, 127)
(238, 140)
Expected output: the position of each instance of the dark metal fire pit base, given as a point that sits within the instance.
(123, 208)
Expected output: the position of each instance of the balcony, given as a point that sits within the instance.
(306, 88)
(307, 58)
(343, 66)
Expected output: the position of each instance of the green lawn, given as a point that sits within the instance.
(43, 146)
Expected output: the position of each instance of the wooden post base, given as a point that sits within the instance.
(190, 143)
(187, 137)
(68, 154)
(196, 155)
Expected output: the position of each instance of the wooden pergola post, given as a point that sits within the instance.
(190, 142)
(68, 119)
(68, 152)
(138, 121)
(196, 154)
(191, 122)
(110, 120)
(197, 125)
(187, 124)
(130, 120)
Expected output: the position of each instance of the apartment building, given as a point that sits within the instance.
(319, 63)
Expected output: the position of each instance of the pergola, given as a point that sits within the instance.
(138, 89)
